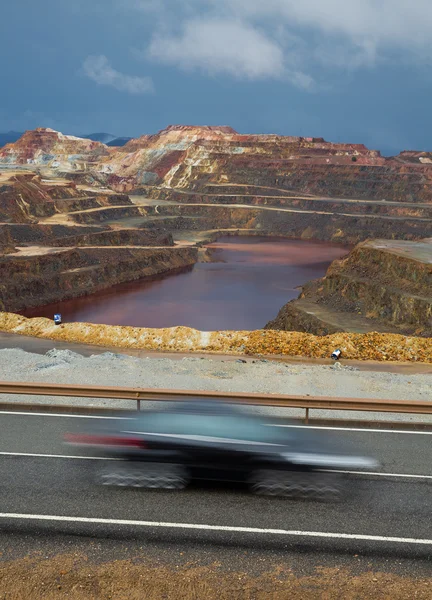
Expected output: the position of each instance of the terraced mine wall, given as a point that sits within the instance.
(301, 225)
(67, 205)
(388, 283)
(12, 235)
(34, 280)
(364, 207)
(25, 198)
(108, 214)
(334, 177)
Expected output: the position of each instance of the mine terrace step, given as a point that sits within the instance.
(311, 212)
(103, 208)
(301, 197)
(80, 269)
(352, 277)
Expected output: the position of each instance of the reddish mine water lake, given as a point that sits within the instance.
(250, 280)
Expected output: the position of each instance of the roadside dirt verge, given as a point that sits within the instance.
(74, 577)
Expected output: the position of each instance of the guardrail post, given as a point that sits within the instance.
(138, 402)
(307, 417)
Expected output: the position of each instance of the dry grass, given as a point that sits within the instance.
(76, 578)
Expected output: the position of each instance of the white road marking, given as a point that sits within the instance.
(361, 430)
(202, 438)
(63, 415)
(224, 528)
(375, 474)
(76, 457)
(34, 455)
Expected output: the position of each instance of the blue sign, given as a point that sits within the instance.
(57, 319)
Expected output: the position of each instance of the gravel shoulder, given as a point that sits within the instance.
(230, 375)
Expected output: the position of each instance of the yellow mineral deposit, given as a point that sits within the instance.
(369, 346)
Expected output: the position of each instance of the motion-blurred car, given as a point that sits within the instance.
(216, 441)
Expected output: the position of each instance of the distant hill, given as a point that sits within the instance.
(44, 145)
(9, 137)
(120, 141)
(105, 138)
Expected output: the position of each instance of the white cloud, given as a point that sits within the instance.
(98, 69)
(242, 37)
(287, 39)
(367, 28)
(217, 45)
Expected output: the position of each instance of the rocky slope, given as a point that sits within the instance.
(191, 158)
(381, 285)
(46, 256)
(45, 146)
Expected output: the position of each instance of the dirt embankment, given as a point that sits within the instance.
(34, 280)
(370, 346)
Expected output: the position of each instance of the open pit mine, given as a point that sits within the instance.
(77, 217)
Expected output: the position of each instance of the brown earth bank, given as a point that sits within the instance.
(367, 346)
(74, 576)
(42, 278)
(382, 284)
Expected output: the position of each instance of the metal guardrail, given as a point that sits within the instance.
(139, 394)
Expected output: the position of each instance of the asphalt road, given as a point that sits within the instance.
(47, 490)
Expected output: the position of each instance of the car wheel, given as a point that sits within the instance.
(145, 475)
(295, 484)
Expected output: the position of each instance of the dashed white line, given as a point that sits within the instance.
(35, 455)
(62, 415)
(376, 474)
(359, 429)
(221, 528)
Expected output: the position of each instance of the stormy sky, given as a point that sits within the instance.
(346, 70)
